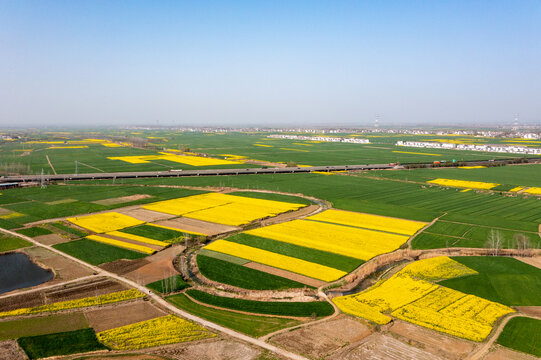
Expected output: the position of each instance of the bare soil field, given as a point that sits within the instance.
(51, 239)
(122, 199)
(199, 226)
(322, 339)
(285, 274)
(534, 311)
(159, 266)
(432, 341)
(124, 266)
(501, 353)
(63, 201)
(117, 357)
(78, 290)
(5, 211)
(145, 215)
(10, 351)
(534, 261)
(64, 268)
(110, 317)
(211, 349)
(379, 346)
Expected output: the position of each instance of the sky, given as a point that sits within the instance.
(269, 63)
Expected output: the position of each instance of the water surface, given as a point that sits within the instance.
(18, 271)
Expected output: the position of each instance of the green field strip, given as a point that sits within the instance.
(252, 325)
(224, 257)
(237, 275)
(154, 232)
(9, 243)
(501, 279)
(522, 334)
(39, 325)
(284, 308)
(34, 231)
(336, 261)
(60, 343)
(96, 253)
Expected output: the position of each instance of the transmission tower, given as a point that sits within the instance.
(515, 123)
(376, 122)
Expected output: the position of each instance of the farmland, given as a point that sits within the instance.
(263, 262)
(522, 334)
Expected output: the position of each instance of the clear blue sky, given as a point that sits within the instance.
(269, 62)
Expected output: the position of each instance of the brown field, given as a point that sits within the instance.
(211, 349)
(78, 290)
(534, 261)
(435, 342)
(199, 226)
(122, 199)
(114, 237)
(64, 268)
(322, 339)
(51, 239)
(286, 274)
(534, 311)
(302, 212)
(63, 201)
(9, 350)
(145, 215)
(501, 353)
(159, 266)
(379, 346)
(120, 357)
(111, 317)
(123, 266)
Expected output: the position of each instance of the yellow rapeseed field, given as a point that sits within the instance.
(454, 313)
(189, 160)
(369, 221)
(284, 262)
(111, 144)
(263, 145)
(138, 238)
(533, 191)
(344, 240)
(175, 229)
(518, 188)
(68, 147)
(156, 332)
(79, 303)
(222, 208)
(437, 268)
(408, 295)
(122, 244)
(472, 167)
(463, 183)
(105, 222)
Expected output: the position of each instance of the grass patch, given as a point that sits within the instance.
(273, 196)
(335, 261)
(34, 231)
(96, 253)
(156, 233)
(243, 277)
(301, 309)
(62, 343)
(501, 279)
(68, 229)
(168, 285)
(522, 334)
(40, 325)
(248, 324)
(8, 243)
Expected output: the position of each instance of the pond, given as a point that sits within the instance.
(18, 271)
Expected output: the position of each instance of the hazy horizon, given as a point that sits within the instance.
(300, 63)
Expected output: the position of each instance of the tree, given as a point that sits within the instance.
(495, 241)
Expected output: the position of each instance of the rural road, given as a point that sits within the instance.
(164, 303)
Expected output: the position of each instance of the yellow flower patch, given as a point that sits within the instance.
(437, 268)
(79, 303)
(533, 191)
(222, 208)
(344, 240)
(175, 229)
(472, 167)
(138, 238)
(156, 332)
(463, 183)
(284, 262)
(11, 215)
(122, 244)
(183, 159)
(369, 221)
(518, 188)
(105, 222)
(262, 145)
(110, 144)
